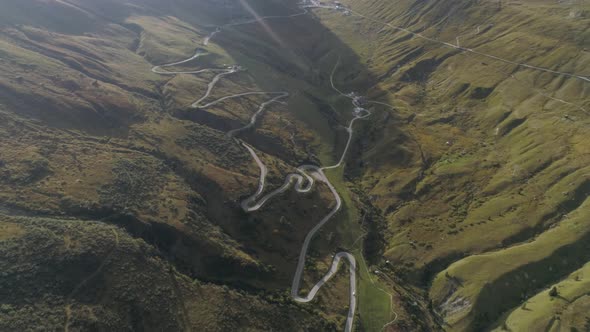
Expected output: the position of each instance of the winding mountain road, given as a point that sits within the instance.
(261, 108)
(303, 181)
(199, 53)
(469, 50)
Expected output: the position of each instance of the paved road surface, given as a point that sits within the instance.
(303, 180)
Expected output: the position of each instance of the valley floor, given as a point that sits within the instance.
(163, 165)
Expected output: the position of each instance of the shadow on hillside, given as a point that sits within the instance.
(300, 49)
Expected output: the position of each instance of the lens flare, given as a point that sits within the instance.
(262, 22)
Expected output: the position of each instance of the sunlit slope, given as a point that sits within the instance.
(120, 142)
(472, 191)
(491, 160)
(92, 134)
(546, 309)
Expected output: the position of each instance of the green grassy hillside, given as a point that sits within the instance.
(91, 137)
(546, 309)
(54, 270)
(464, 194)
(482, 176)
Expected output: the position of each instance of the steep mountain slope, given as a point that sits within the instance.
(464, 193)
(76, 275)
(484, 183)
(93, 134)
